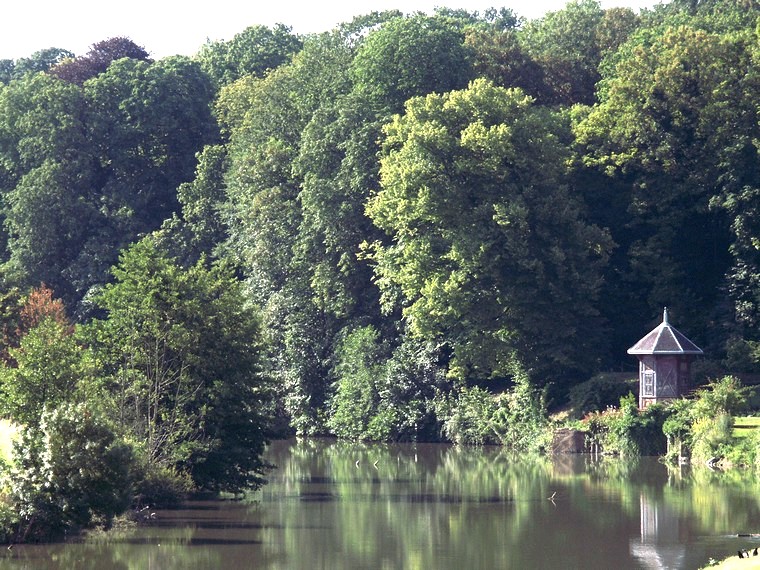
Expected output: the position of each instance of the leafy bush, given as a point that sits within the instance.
(711, 437)
(161, 487)
(466, 416)
(381, 398)
(704, 424)
(628, 431)
(599, 392)
(359, 365)
(515, 419)
(69, 473)
(406, 390)
(520, 420)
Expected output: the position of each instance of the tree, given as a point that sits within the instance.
(184, 350)
(68, 473)
(358, 371)
(98, 59)
(265, 120)
(85, 170)
(674, 130)
(51, 368)
(489, 251)
(407, 57)
(499, 57)
(41, 60)
(569, 45)
(255, 51)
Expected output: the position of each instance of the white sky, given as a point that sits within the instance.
(168, 27)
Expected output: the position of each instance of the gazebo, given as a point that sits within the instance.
(665, 357)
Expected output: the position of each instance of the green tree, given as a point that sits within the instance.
(265, 119)
(85, 170)
(489, 251)
(675, 130)
(407, 57)
(51, 368)
(41, 60)
(564, 44)
(255, 51)
(360, 358)
(184, 348)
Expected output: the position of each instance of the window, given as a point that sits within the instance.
(649, 383)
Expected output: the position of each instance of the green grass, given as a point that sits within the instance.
(735, 563)
(744, 425)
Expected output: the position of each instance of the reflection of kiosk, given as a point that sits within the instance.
(665, 357)
(661, 544)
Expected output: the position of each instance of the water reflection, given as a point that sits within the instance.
(662, 544)
(339, 505)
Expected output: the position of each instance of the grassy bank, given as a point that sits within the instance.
(736, 563)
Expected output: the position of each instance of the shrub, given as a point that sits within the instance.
(711, 437)
(69, 473)
(599, 392)
(161, 487)
(628, 431)
(466, 416)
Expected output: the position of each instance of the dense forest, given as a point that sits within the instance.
(369, 231)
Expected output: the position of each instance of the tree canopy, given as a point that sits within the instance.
(371, 231)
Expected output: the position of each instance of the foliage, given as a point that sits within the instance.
(628, 431)
(51, 367)
(411, 378)
(704, 424)
(255, 51)
(41, 60)
(158, 487)
(382, 396)
(520, 422)
(517, 267)
(85, 170)
(359, 361)
(566, 47)
(465, 416)
(599, 392)
(98, 59)
(68, 473)
(515, 419)
(674, 128)
(412, 203)
(184, 351)
(408, 57)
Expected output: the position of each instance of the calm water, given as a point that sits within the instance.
(335, 505)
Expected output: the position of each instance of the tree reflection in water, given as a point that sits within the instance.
(344, 505)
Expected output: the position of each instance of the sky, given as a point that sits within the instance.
(169, 27)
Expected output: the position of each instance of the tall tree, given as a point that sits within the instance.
(185, 351)
(569, 45)
(98, 59)
(489, 252)
(676, 127)
(265, 120)
(407, 57)
(255, 51)
(85, 170)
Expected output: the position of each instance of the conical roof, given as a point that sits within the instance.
(665, 339)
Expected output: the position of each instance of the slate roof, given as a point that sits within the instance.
(665, 339)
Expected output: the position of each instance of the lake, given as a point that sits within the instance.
(337, 505)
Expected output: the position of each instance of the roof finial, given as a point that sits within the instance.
(665, 316)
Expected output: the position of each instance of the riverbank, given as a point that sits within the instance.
(736, 563)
